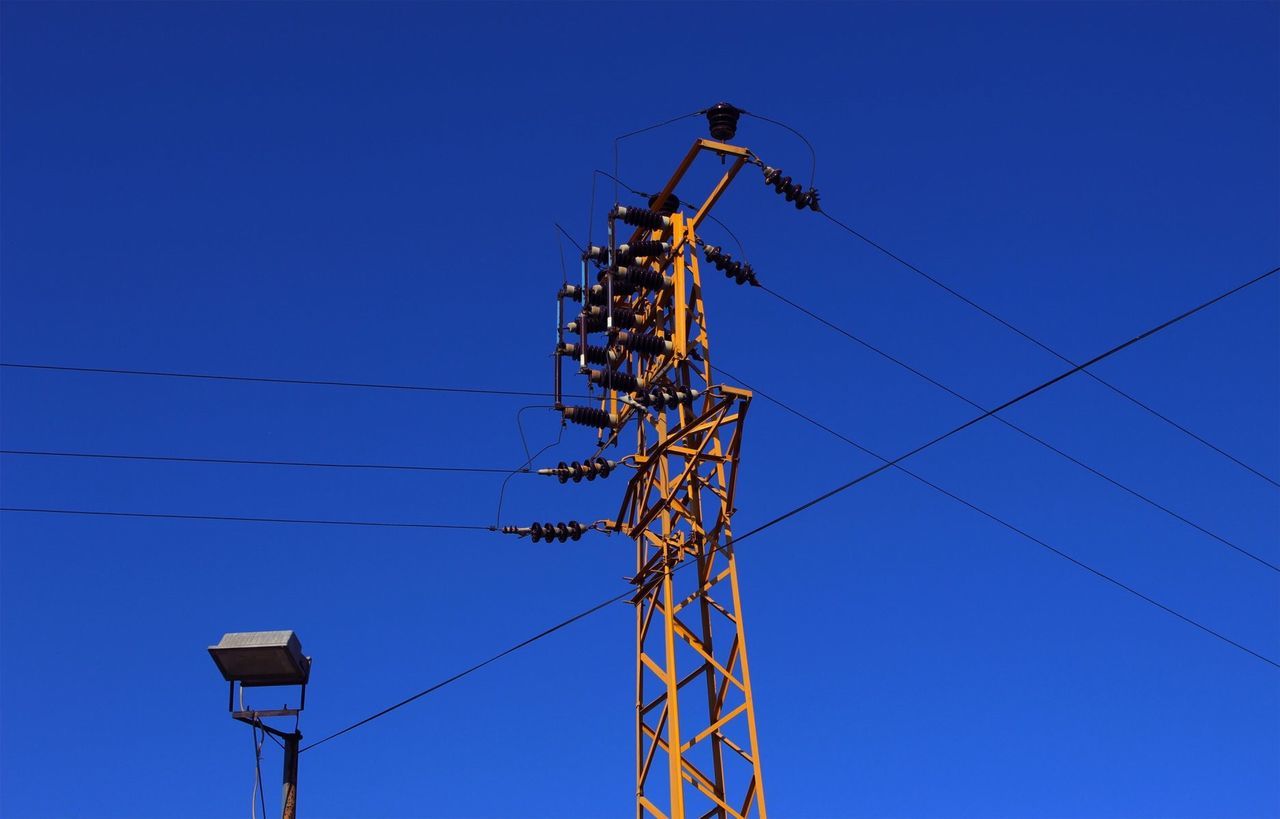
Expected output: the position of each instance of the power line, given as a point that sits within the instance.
(976, 508)
(304, 381)
(250, 462)
(937, 282)
(1099, 473)
(467, 672)
(240, 519)
(1025, 395)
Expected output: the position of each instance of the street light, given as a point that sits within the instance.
(267, 658)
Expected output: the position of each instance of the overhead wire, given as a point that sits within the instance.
(471, 670)
(1029, 393)
(895, 463)
(243, 519)
(1019, 331)
(1006, 323)
(271, 380)
(1015, 427)
(255, 462)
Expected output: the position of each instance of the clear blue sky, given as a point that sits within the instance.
(367, 192)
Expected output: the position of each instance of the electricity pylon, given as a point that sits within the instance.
(697, 751)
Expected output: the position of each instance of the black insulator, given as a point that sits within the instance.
(590, 469)
(624, 382)
(740, 272)
(669, 205)
(622, 316)
(644, 343)
(548, 531)
(645, 277)
(598, 254)
(642, 217)
(621, 286)
(590, 417)
(792, 191)
(661, 398)
(642, 250)
(723, 120)
(596, 319)
(610, 356)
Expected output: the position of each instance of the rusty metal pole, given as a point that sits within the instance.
(289, 799)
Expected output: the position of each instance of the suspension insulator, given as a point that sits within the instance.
(647, 249)
(723, 120)
(740, 272)
(590, 417)
(590, 469)
(571, 530)
(623, 382)
(644, 343)
(661, 398)
(791, 191)
(609, 356)
(641, 217)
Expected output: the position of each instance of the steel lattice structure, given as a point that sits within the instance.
(697, 751)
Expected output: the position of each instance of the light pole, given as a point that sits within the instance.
(257, 659)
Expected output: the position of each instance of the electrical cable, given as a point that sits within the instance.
(1047, 348)
(251, 462)
(1025, 395)
(1009, 325)
(629, 134)
(868, 345)
(502, 491)
(303, 381)
(467, 672)
(240, 519)
(895, 464)
(258, 790)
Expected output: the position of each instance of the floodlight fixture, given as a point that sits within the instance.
(260, 659)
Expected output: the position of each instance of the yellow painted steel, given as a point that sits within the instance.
(697, 750)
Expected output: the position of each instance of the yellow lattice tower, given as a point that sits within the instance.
(697, 753)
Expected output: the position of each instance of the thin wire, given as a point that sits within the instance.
(571, 241)
(629, 134)
(1025, 395)
(813, 154)
(258, 791)
(1049, 349)
(467, 672)
(502, 491)
(266, 380)
(868, 345)
(239, 519)
(894, 463)
(250, 462)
